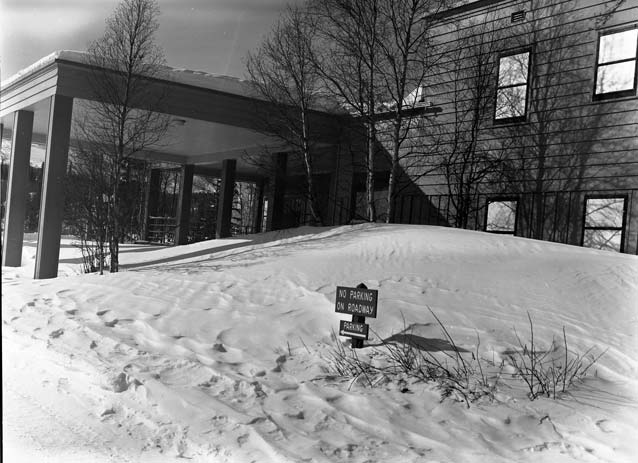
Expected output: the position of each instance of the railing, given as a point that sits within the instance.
(556, 216)
(161, 230)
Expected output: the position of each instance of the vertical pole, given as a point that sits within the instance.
(184, 204)
(17, 188)
(277, 192)
(53, 184)
(358, 343)
(226, 194)
(151, 199)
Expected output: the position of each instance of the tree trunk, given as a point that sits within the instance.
(393, 170)
(312, 197)
(372, 212)
(115, 215)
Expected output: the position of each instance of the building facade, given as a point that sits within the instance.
(538, 130)
(527, 125)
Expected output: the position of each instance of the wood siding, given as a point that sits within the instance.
(568, 147)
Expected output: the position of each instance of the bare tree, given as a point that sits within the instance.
(464, 156)
(349, 60)
(124, 116)
(87, 196)
(283, 72)
(407, 56)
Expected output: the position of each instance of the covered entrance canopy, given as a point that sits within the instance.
(216, 122)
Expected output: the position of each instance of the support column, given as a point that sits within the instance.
(225, 204)
(184, 204)
(151, 199)
(277, 191)
(17, 188)
(259, 207)
(53, 184)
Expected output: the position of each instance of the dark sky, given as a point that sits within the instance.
(207, 35)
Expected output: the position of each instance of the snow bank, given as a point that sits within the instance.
(218, 350)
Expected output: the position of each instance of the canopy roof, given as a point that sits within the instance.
(215, 117)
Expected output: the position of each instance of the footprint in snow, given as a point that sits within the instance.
(280, 362)
(606, 426)
(56, 334)
(101, 312)
(71, 312)
(219, 347)
(107, 412)
(112, 323)
(297, 416)
(241, 440)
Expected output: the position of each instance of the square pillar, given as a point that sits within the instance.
(226, 195)
(258, 206)
(151, 198)
(341, 205)
(184, 204)
(276, 192)
(17, 188)
(53, 185)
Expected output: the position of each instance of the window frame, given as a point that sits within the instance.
(523, 118)
(623, 226)
(618, 93)
(500, 199)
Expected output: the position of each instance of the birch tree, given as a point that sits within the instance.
(407, 56)
(284, 74)
(349, 60)
(124, 116)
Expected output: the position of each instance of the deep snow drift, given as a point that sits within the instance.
(218, 351)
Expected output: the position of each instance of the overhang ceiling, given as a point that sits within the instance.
(213, 117)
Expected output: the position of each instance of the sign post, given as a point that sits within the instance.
(360, 302)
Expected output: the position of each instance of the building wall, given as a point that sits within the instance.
(568, 147)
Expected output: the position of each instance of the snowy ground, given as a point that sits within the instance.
(217, 351)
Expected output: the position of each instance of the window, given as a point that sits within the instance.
(616, 64)
(511, 92)
(604, 220)
(501, 216)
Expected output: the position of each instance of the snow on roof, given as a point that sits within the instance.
(200, 79)
(41, 63)
(221, 83)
